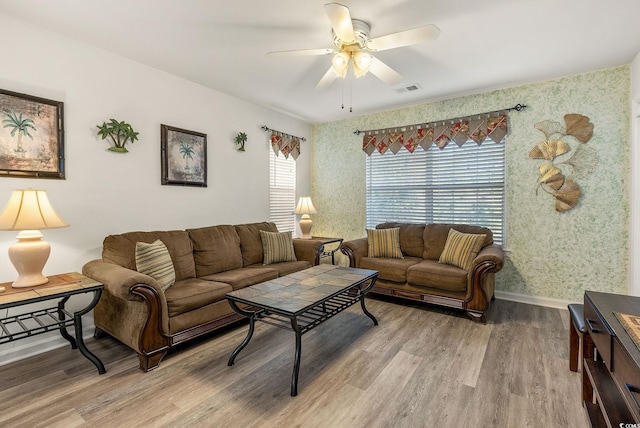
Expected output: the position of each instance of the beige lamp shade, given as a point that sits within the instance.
(29, 210)
(305, 207)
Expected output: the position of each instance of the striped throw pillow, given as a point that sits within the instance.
(384, 243)
(277, 247)
(154, 260)
(461, 248)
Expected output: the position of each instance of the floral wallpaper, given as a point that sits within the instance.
(585, 248)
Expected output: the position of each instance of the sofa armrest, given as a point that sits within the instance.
(308, 250)
(133, 306)
(355, 249)
(490, 253)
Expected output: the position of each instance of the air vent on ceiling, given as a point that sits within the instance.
(410, 88)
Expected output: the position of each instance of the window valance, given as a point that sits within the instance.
(476, 128)
(284, 143)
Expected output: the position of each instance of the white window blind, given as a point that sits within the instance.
(460, 185)
(282, 191)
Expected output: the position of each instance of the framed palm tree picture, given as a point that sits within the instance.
(184, 157)
(31, 136)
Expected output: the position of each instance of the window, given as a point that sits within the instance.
(282, 191)
(464, 185)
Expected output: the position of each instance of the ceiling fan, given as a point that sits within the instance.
(353, 46)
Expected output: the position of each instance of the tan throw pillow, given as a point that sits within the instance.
(277, 247)
(154, 260)
(384, 243)
(461, 248)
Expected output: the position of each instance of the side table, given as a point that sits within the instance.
(60, 287)
(325, 241)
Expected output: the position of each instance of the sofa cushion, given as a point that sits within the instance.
(250, 241)
(384, 243)
(430, 273)
(411, 240)
(389, 269)
(215, 249)
(154, 260)
(240, 278)
(121, 250)
(189, 294)
(284, 268)
(461, 248)
(277, 247)
(435, 237)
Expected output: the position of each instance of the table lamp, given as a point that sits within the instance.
(28, 211)
(305, 207)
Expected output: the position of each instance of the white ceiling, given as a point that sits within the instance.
(483, 44)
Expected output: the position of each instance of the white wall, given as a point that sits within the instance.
(634, 274)
(106, 192)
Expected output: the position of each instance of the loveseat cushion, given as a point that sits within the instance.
(384, 243)
(240, 278)
(215, 249)
(250, 242)
(411, 240)
(430, 273)
(389, 269)
(189, 294)
(461, 248)
(121, 250)
(435, 237)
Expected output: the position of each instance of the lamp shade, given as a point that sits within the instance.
(29, 209)
(305, 206)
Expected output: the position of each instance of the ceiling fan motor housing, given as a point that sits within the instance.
(361, 32)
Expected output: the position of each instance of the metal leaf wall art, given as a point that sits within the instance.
(556, 177)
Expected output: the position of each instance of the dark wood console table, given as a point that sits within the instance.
(611, 373)
(51, 318)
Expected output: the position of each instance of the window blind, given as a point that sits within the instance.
(460, 185)
(282, 191)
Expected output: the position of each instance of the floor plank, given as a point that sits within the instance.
(421, 366)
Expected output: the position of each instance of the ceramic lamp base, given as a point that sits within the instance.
(305, 226)
(29, 255)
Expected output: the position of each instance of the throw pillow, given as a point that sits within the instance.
(461, 248)
(277, 247)
(384, 243)
(154, 260)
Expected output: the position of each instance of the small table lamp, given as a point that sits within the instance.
(305, 207)
(29, 210)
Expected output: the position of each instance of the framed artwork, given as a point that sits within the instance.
(184, 157)
(31, 136)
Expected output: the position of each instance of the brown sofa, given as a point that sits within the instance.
(209, 262)
(420, 276)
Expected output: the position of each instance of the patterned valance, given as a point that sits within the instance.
(476, 128)
(285, 143)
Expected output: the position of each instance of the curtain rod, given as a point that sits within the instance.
(517, 107)
(267, 129)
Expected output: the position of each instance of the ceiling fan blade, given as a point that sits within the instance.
(327, 79)
(302, 52)
(340, 19)
(383, 72)
(404, 38)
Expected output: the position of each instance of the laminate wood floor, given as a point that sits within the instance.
(421, 367)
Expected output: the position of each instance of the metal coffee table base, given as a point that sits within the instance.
(302, 322)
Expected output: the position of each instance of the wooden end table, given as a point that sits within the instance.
(60, 287)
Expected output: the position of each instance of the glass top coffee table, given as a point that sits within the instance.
(301, 301)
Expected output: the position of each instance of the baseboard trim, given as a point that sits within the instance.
(533, 300)
(38, 345)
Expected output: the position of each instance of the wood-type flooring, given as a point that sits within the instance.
(421, 367)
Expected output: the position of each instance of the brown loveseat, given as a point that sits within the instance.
(420, 276)
(209, 262)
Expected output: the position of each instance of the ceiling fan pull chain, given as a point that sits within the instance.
(350, 97)
(342, 95)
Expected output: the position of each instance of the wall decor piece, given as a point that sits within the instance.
(31, 136)
(119, 133)
(184, 157)
(240, 139)
(558, 177)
